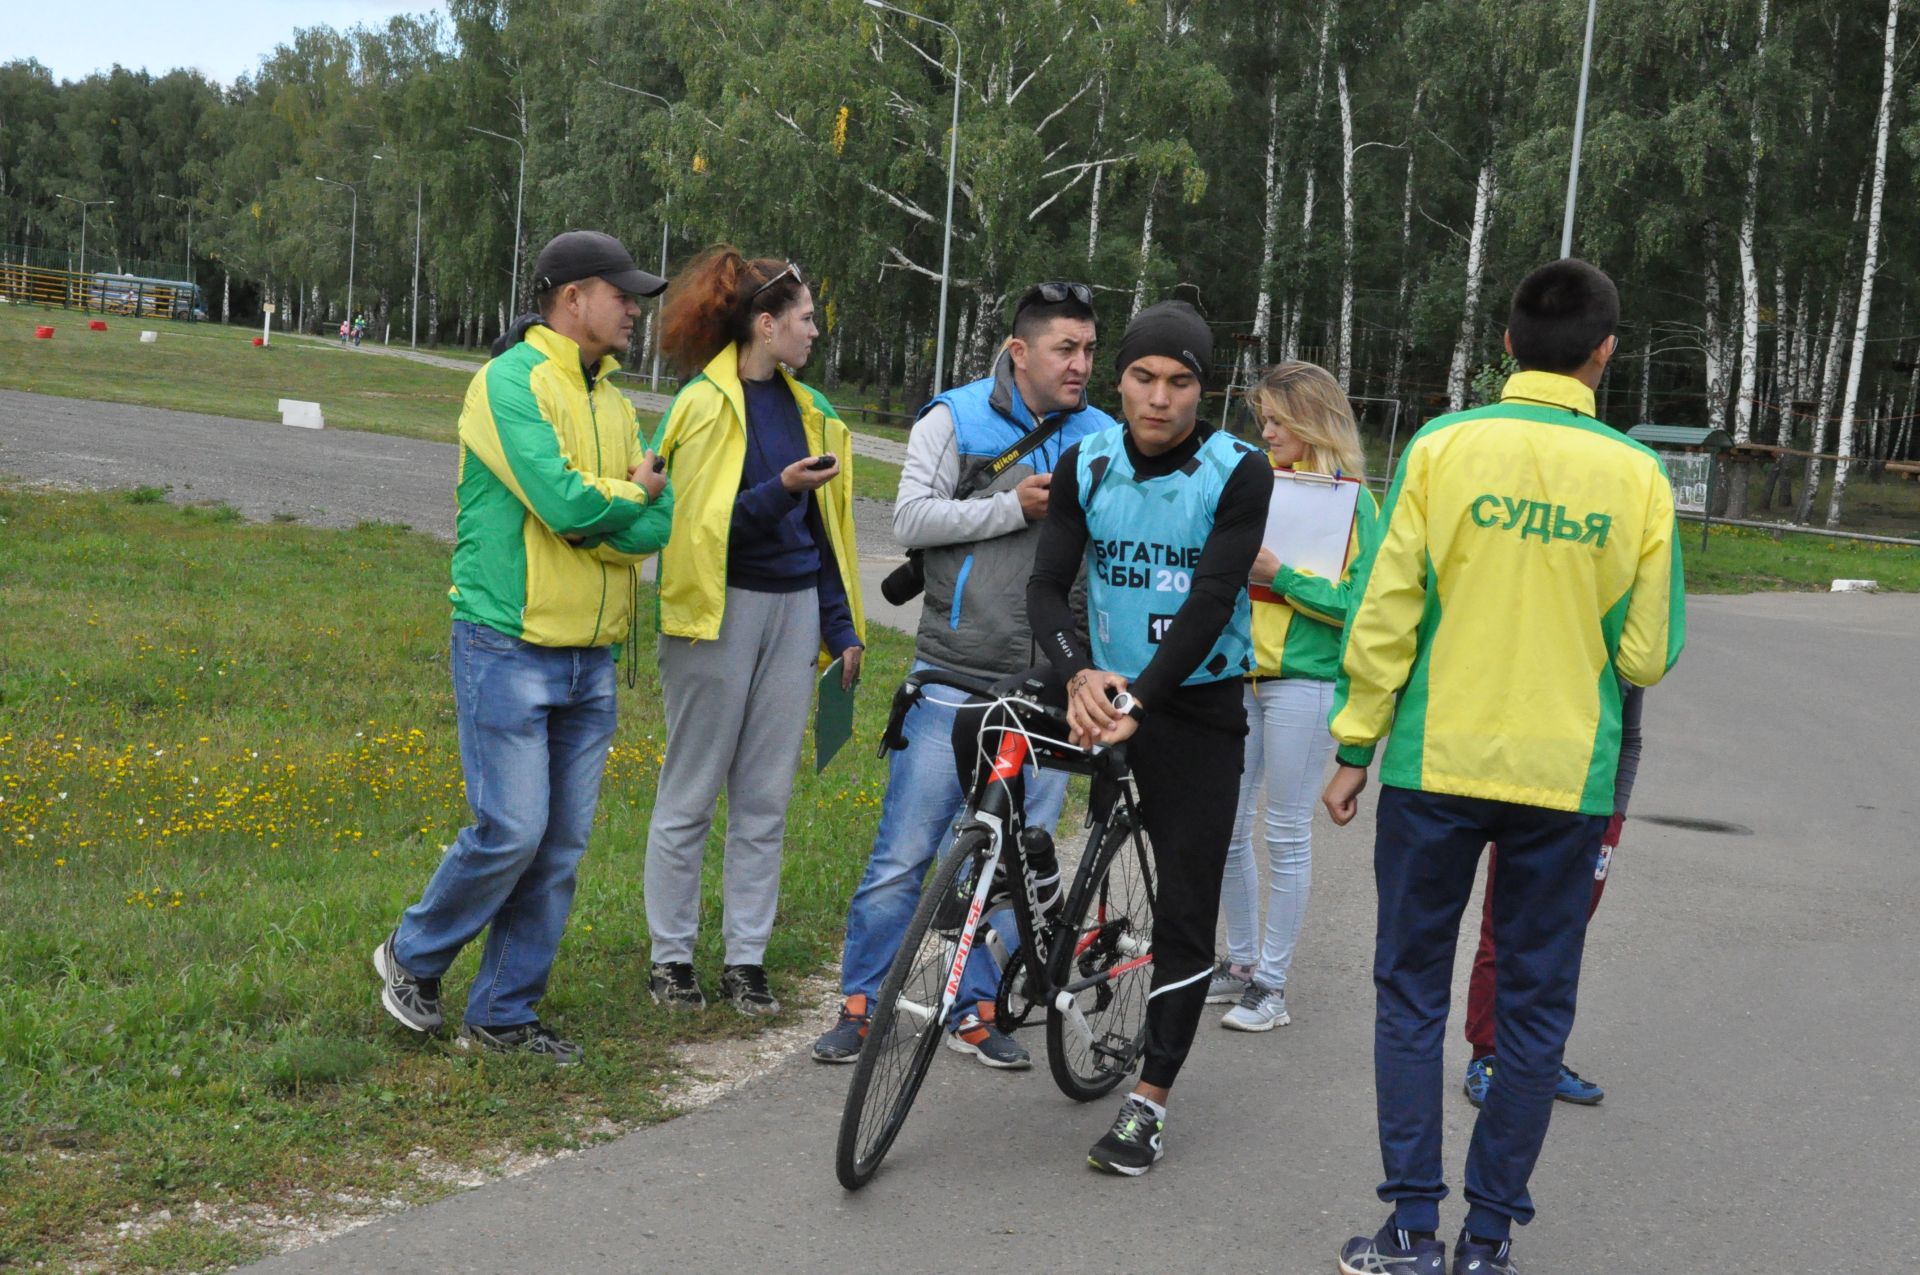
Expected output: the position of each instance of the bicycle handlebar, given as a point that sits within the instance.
(913, 688)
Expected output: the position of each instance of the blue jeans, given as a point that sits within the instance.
(1426, 854)
(923, 799)
(535, 724)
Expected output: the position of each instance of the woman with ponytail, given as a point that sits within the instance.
(1307, 425)
(762, 587)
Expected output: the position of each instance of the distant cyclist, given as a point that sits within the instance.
(1167, 515)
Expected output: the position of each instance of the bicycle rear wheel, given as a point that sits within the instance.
(1106, 935)
(904, 1030)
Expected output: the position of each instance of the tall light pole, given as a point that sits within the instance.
(84, 205)
(188, 203)
(413, 338)
(1579, 134)
(665, 206)
(953, 162)
(513, 285)
(353, 235)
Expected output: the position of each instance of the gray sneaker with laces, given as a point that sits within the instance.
(529, 1038)
(1226, 987)
(413, 1002)
(1261, 1009)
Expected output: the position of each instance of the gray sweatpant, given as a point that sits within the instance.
(736, 713)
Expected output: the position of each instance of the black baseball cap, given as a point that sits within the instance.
(585, 254)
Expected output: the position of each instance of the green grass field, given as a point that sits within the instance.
(227, 762)
(1745, 560)
(215, 369)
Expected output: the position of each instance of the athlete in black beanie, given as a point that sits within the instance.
(1172, 328)
(1165, 516)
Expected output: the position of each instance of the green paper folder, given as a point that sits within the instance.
(832, 719)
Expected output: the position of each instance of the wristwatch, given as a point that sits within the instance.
(1125, 702)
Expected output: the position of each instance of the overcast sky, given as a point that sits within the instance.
(222, 39)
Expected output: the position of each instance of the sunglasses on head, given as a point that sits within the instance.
(790, 270)
(1054, 293)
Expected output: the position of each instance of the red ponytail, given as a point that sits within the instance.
(712, 302)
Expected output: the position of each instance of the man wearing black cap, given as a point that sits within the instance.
(1167, 515)
(558, 500)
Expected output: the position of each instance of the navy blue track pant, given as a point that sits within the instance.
(1426, 855)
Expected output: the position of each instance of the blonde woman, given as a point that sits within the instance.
(1307, 425)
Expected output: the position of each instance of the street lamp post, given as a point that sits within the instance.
(953, 162)
(1579, 134)
(84, 205)
(419, 213)
(513, 285)
(353, 235)
(665, 206)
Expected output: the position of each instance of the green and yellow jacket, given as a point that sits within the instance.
(544, 455)
(1529, 562)
(703, 437)
(1300, 636)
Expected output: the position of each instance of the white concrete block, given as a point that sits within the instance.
(1855, 586)
(299, 412)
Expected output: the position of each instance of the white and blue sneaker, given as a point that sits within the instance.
(1393, 1252)
(1134, 1144)
(1472, 1257)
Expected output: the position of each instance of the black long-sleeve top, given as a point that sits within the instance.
(1226, 560)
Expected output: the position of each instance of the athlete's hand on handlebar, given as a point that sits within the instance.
(1091, 716)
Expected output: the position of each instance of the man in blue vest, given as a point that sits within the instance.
(1167, 515)
(976, 535)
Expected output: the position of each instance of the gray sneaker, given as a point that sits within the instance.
(528, 1038)
(1261, 1010)
(1226, 987)
(413, 1002)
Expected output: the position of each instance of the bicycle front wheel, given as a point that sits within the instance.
(904, 1030)
(1104, 949)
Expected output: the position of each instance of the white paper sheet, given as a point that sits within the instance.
(1310, 522)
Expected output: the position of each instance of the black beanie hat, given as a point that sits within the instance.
(1172, 328)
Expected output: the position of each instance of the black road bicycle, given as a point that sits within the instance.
(1088, 965)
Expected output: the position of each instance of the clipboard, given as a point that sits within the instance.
(832, 717)
(1309, 525)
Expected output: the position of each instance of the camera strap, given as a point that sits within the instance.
(985, 472)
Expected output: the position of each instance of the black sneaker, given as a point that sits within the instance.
(672, 984)
(841, 1044)
(1133, 1145)
(528, 1038)
(414, 1002)
(746, 987)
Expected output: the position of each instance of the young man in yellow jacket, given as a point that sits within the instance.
(558, 501)
(1529, 563)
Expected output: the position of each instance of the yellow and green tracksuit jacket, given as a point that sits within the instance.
(1300, 637)
(1529, 555)
(544, 456)
(703, 437)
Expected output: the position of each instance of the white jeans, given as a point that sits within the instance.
(1287, 749)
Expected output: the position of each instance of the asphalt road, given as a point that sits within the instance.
(1748, 1002)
